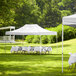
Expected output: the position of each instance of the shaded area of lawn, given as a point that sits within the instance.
(7, 46)
(33, 65)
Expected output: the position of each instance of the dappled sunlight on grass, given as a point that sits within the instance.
(69, 46)
(43, 65)
(37, 65)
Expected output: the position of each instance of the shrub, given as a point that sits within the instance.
(69, 33)
(36, 39)
(51, 39)
(29, 38)
(44, 39)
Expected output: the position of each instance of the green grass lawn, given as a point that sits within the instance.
(34, 64)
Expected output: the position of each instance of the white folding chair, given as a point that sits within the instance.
(25, 48)
(14, 48)
(48, 49)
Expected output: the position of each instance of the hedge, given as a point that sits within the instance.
(69, 33)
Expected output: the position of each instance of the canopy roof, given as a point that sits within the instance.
(69, 20)
(31, 29)
(9, 27)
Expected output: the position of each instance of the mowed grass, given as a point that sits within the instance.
(34, 64)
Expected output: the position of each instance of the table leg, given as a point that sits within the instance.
(70, 66)
(75, 66)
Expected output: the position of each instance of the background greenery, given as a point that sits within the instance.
(46, 13)
(69, 33)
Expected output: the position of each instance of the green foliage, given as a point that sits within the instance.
(29, 38)
(46, 13)
(65, 13)
(36, 39)
(51, 15)
(68, 5)
(44, 39)
(27, 13)
(69, 33)
(7, 12)
(52, 39)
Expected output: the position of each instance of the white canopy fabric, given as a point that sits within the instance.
(72, 59)
(9, 27)
(31, 29)
(71, 21)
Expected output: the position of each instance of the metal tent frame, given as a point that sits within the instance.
(9, 27)
(32, 29)
(67, 20)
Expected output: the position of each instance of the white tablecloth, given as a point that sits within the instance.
(72, 59)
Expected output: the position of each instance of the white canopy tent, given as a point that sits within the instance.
(71, 21)
(7, 38)
(9, 27)
(32, 29)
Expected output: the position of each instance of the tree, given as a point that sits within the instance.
(7, 12)
(51, 15)
(27, 13)
(67, 7)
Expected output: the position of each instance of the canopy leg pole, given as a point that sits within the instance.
(40, 44)
(22, 43)
(5, 46)
(57, 44)
(10, 35)
(14, 36)
(62, 48)
(23, 40)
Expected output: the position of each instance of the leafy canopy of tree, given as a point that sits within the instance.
(46, 13)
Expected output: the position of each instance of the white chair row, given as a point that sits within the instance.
(31, 49)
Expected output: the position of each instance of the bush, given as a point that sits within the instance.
(29, 38)
(44, 39)
(69, 33)
(36, 39)
(51, 39)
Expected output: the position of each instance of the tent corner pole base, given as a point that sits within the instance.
(62, 48)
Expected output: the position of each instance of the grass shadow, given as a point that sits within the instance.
(32, 57)
(59, 46)
(10, 70)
